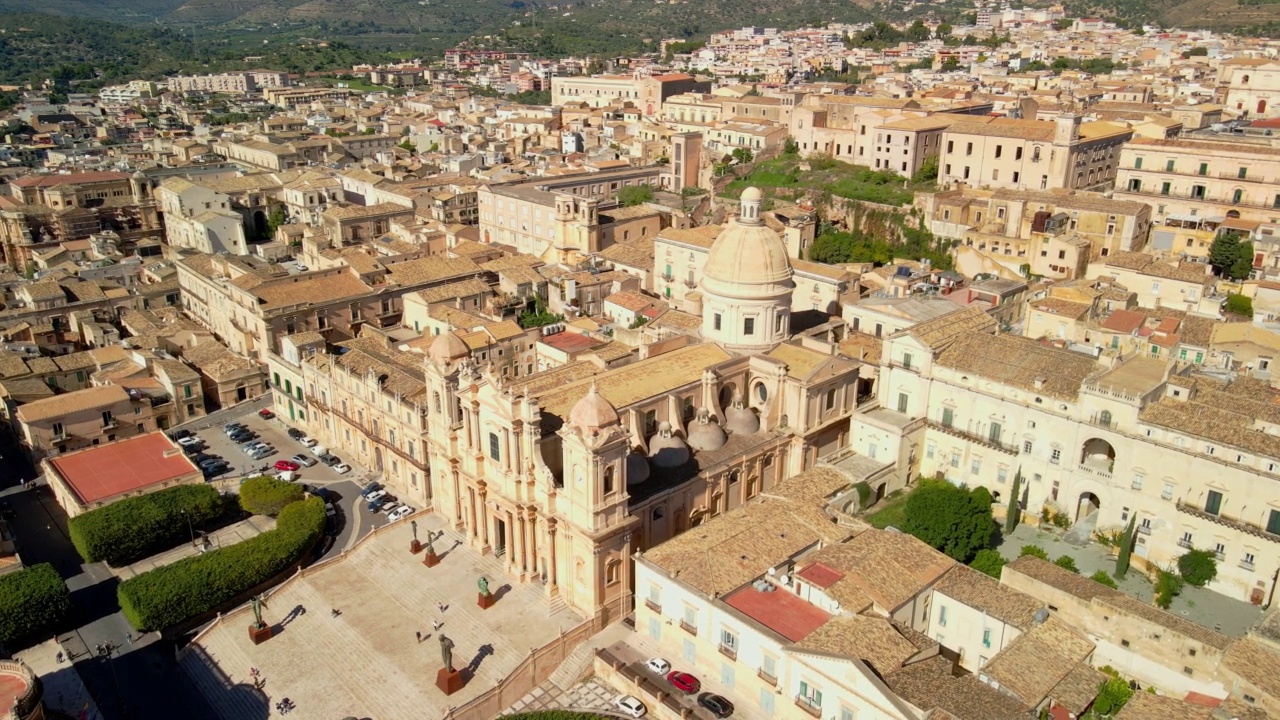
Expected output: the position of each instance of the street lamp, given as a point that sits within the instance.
(190, 529)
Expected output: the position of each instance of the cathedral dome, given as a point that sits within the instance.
(704, 434)
(593, 411)
(747, 259)
(739, 420)
(667, 450)
(447, 348)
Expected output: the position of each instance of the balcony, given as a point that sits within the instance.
(668, 277)
(1184, 543)
(690, 284)
(1246, 565)
(691, 629)
(766, 677)
(653, 606)
(111, 424)
(1237, 178)
(972, 437)
(1229, 522)
(1144, 529)
(809, 705)
(1095, 471)
(728, 652)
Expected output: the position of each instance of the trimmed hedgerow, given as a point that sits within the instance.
(32, 601)
(136, 527)
(267, 495)
(172, 594)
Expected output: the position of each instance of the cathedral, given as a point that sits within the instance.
(565, 473)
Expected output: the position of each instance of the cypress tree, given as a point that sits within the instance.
(1126, 547)
(1012, 516)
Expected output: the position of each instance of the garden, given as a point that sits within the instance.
(138, 527)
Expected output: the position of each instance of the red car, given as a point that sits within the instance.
(265, 413)
(286, 465)
(684, 682)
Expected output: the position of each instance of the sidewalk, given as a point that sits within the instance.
(230, 535)
(63, 689)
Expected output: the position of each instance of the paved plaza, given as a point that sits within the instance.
(367, 661)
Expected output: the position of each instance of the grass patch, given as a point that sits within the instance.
(782, 178)
(893, 512)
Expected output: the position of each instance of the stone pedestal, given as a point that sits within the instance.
(449, 682)
(259, 635)
(431, 560)
(485, 600)
(415, 547)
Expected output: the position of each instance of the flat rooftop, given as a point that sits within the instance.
(96, 473)
(778, 610)
(1137, 376)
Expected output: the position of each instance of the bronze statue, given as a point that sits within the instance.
(257, 604)
(483, 584)
(431, 538)
(414, 524)
(446, 652)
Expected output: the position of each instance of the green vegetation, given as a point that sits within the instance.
(1230, 256)
(191, 587)
(532, 97)
(538, 315)
(32, 603)
(1198, 567)
(136, 527)
(1066, 562)
(856, 247)
(864, 494)
(1034, 551)
(892, 512)
(633, 195)
(784, 178)
(406, 145)
(1126, 549)
(555, 715)
(267, 495)
(1014, 512)
(1113, 694)
(988, 561)
(1241, 305)
(1102, 577)
(1168, 585)
(953, 520)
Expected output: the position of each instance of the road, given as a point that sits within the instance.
(140, 680)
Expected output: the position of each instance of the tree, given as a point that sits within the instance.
(1224, 252)
(1034, 551)
(1015, 510)
(408, 146)
(790, 146)
(1240, 305)
(942, 32)
(1243, 266)
(1066, 562)
(742, 155)
(1126, 548)
(988, 561)
(32, 601)
(1113, 693)
(928, 170)
(267, 495)
(1198, 567)
(633, 195)
(950, 519)
(1168, 585)
(1063, 23)
(1103, 578)
(277, 219)
(917, 32)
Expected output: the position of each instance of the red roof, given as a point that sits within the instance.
(571, 342)
(820, 575)
(1124, 321)
(780, 611)
(129, 465)
(1203, 700)
(72, 179)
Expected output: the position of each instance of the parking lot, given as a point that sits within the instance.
(353, 519)
(636, 650)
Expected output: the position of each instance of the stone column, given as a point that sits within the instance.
(471, 510)
(483, 509)
(553, 584)
(509, 540)
(626, 603)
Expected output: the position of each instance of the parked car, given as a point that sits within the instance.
(242, 436)
(376, 495)
(376, 505)
(630, 706)
(389, 507)
(719, 706)
(178, 434)
(252, 447)
(322, 493)
(190, 440)
(330, 510)
(210, 461)
(287, 465)
(308, 442)
(266, 414)
(331, 460)
(399, 513)
(373, 487)
(303, 460)
(263, 452)
(200, 457)
(296, 434)
(342, 468)
(287, 475)
(684, 682)
(191, 450)
(217, 469)
(658, 666)
(233, 427)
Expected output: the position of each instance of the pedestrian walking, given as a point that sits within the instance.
(418, 633)
(128, 637)
(436, 624)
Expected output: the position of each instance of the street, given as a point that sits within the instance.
(139, 679)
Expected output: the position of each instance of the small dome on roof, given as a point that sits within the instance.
(593, 411)
(739, 420)
(667, 450)
(704, 434)
(637, 468)
(447, 348)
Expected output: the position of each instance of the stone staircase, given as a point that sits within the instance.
(226, 698)
(574, 667)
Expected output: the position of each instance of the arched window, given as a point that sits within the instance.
(658, 513)
(608, 480)
(612, 571)
(1104, 418)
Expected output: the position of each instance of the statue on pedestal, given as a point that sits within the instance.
(446, 652)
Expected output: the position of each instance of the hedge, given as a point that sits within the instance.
(137, 527)
(267, 495)
(32, 601)
(168, 595)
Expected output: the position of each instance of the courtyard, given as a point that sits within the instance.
(368, 660)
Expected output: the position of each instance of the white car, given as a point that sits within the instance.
(342, 468)
(658, 666)
(630, 706)
(399, 513)
(374, 497)
(190, 440)
(329, 510)
(307, 442)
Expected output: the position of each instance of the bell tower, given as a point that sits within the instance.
(595, 451)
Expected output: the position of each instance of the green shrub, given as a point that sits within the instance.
(1101, 576)
(1198, 567)
(864, 494)
(1240, 305)
(989, 562)
(1066, 562)
(1167, 586)
(172, 594)
(32, 601)
(1034, 551)
(267, 495)
(136, 527)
